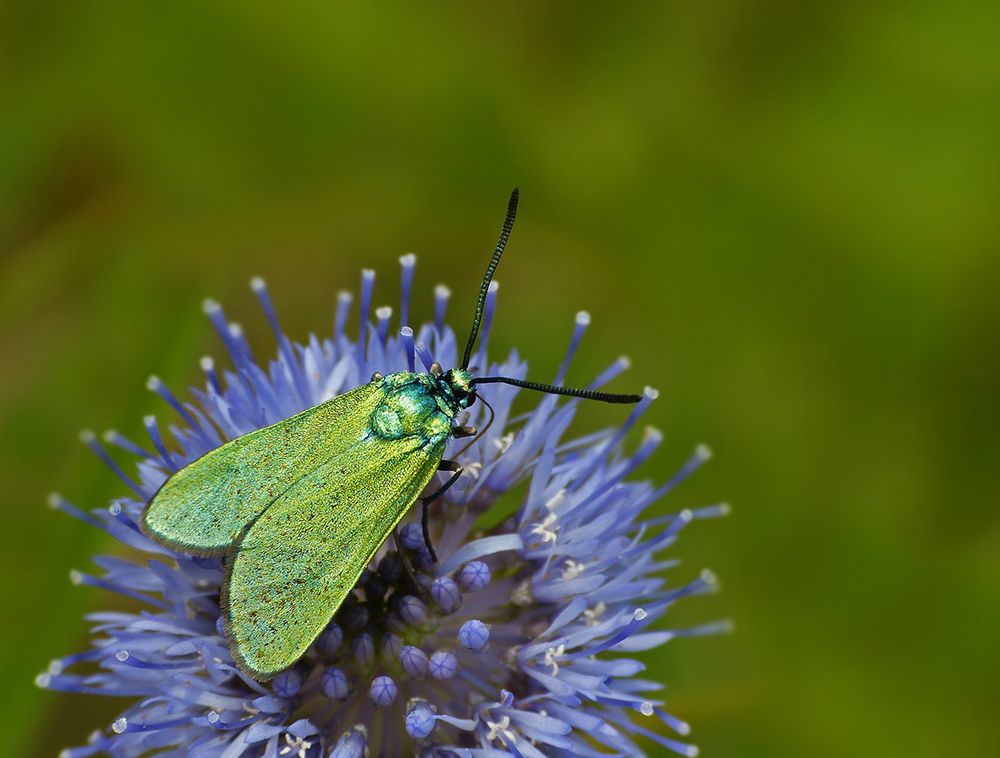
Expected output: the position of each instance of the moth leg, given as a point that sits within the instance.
(405, 560)
(464, 431)
(456, 468)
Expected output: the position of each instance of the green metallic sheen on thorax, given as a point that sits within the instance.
(414, 405)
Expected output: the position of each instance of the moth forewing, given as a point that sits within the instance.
(204, 508)
(294, 566)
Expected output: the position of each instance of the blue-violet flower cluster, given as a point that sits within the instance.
(519, 641)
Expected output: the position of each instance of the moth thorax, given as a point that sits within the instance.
(405, 412)
(458, 384)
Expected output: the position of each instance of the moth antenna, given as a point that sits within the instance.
(604, 397)
(508, 224)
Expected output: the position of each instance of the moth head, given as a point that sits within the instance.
(459, 383)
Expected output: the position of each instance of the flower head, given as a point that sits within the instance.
(517, 642)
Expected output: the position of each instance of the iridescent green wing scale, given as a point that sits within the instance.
(204, 508)
(294, 565)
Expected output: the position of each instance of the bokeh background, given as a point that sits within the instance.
(784, 213)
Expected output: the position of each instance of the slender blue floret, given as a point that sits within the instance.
(523, 639)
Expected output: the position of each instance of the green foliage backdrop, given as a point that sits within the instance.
(784, 213)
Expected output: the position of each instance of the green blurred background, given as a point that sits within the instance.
(784, 213)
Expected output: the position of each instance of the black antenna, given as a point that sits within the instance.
(508, 223)
(604, 397)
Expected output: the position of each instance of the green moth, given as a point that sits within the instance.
(299, 508)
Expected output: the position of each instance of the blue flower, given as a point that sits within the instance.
(521, 641)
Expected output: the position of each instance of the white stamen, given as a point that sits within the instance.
(408, 259)
(556, 500)
(522, 595)
(87, 436)
(545, 530)
(646, 709)
(209, 306)
(384, 313)
(441, 291)
(54, 499)
(247, 707)
(120, 725)
(406, 331)
(511, 655)
(207, 364)
(110, 435)
(43, 680)
(75, 577)
(122, 655)
(639, 614)
(504, 443)
(583, 318)
(550, 658)
(593, 615)
(298, 745)
(257, 284)
(494, 286)
(651, 393)
(703, 451)
(153, 383)
(572, 570)
(499, 729)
